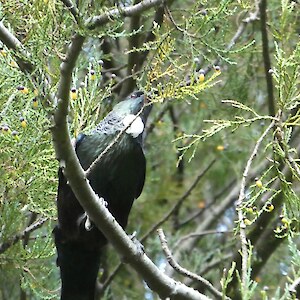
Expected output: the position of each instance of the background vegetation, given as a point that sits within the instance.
(222, 141)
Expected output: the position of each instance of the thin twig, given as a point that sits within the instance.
(109, 280)
(179, 201)
(4, 246)
(72, 8)
(129, 11)
(244, 242)
(210, 204)
(184, 271)
(253, 16)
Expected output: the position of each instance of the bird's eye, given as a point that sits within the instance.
(133, 96)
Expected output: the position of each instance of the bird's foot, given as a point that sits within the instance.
(84, 218)
(139, 246)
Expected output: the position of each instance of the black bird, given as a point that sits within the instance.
(118, 178)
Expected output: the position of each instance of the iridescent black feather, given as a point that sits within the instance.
(118, 178)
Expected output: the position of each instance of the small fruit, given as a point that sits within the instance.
(73, 94)
(258, 183)
(218, 69)
(35, 102)
(3, 52)
(24, 90)
(247, 222)
(269, 207)
(15, 135)
(5, 128)
(201, 75)
(92, 75)
(23, 122)
(220, 147)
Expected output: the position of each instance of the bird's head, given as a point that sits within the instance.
(128, 110)
(131, 105)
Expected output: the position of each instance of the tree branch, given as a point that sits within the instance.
(212, 215)
(266, 56)
(94, 207)
(179, 201)
(4, 246)
(22, 57)
(133, 57)
(244, 243)
(184, 271)
(129, 11)
(72, 8)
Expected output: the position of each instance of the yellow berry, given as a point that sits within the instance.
(73, 94)
(5, 129)
(218, 69)
(249, 208)
(220, 148)
(247, 222)
(13, 64)
(202, 204)
(35, 103)
(3, 52)
(92, 75)
(23, 122)
(258, 183)
(24, 90)
(15, 135)
(269, 207)
(203, 105)
(284, 220)
(201, 75)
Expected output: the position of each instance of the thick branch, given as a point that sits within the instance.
(95, 208)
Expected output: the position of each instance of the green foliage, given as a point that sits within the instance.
(201, 113)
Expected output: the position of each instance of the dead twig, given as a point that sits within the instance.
(184, 271)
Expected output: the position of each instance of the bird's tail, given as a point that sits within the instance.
(79, 264)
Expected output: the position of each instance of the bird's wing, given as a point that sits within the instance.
(142, 174)
(79, 139)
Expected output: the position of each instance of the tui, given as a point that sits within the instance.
(118, 177)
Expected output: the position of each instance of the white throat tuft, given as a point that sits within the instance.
(136, 127)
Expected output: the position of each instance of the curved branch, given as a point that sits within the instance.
(184, 271)
(95, 207)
